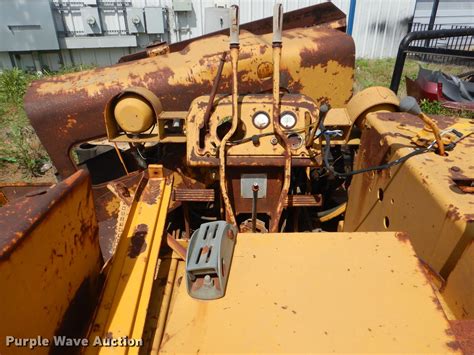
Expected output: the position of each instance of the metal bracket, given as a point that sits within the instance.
(208, 260)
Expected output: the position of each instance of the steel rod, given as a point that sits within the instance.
(255, 189)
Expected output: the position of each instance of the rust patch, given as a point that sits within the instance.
(453, 213)
(403, 237)
(184, 51)
(437, 303)
(457, 173)
(34, 210)
(137, 242)
(151, 192)
(463, 330)
(403, 118)
(453, 345)
(374, 149)
(123, 191)
(265, 70)
(330, 48)
(431, 275)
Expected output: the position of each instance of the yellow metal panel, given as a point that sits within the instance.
(459, 289)
(123, 307)
(376, 98)
(49, 263)
(419, 197)
(324, 292)
(330, 80)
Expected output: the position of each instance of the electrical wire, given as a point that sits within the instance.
(327, 215)
(148, 131)
(429, 148)
(140, 154)
(327, 137)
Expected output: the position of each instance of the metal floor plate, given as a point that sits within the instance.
(314, 292)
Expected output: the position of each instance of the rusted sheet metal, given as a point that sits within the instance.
(33, 210)
(49, 263)
(111, 213)
(108, 209)
(68, 109)
(12, 191)
(420, 197)
(463, 330)
(324, 15)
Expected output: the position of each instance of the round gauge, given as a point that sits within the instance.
(261, 120)
(287, 120)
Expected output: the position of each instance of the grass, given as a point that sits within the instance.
(19, 145)
(378, 72)
(21, 152)
(22, 155)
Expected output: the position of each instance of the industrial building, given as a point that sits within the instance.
(48, 34)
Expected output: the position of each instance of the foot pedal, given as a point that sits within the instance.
(208, 260)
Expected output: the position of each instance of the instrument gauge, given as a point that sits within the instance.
(261, 120)
(287, 120)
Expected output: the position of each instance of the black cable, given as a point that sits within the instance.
(324, 213)
(372, 168)
(400, 160)
(327, 151)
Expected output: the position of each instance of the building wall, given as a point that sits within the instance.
(379, 25)
(450, 12)
(378, 28)
(5, 62)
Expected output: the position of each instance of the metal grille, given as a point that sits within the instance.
(465, 43)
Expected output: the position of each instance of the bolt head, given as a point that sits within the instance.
(136, 20)
(208, 281)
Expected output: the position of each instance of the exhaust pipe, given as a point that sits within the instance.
(234, 57)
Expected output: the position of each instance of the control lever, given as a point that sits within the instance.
(234, 59)
(409, 104)
(255, 189)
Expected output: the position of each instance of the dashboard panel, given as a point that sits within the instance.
(254, 139)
